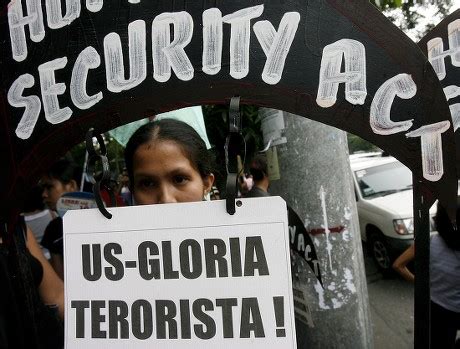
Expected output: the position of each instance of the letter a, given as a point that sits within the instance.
(354, 77)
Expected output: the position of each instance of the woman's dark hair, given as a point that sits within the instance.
(449, 233)
(34, 200)
(64, 170)
(171, 130)
(258, 167)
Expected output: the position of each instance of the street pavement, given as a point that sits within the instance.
(392, 308)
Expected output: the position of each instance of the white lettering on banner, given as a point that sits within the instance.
(212, 41)
(436, 53)
(54, 13)
(240, 35)
(31, 104)
(431, 140)
(436, 57)
(451, 91)
(94, 5)
(179, 283)
(167, 54)
(354, 54)
(276, 44)
(172, 32)
(400, 85)
(17, 21)
(50, 90)
(455, 113)
(113, 54)
(87, 59)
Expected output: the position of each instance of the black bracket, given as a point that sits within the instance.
(100, 180)
(233, 144)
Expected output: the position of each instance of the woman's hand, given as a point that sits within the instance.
(400, 264)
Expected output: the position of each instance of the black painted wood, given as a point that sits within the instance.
(422, 269)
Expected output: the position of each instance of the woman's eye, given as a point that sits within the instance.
(146, 183)
(180, 179)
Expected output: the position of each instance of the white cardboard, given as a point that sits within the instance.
(264, 219)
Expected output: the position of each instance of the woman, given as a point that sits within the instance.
(167, 162)
(444, 279)
(60, 179)
(36, 215)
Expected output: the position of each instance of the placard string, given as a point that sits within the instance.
(233, 145)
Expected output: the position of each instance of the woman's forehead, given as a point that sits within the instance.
(46, 179)
(161, 153)
(162, 146)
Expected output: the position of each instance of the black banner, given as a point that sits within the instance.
(103, 64)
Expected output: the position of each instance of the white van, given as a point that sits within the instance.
(383, 189)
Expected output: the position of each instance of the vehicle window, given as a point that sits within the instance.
(384, 179)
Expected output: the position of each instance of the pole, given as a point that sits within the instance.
(309, 168)
(422, 269)
(83, 175)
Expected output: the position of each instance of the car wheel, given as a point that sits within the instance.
(380, 253)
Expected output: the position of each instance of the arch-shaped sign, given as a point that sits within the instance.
(105, 63)
(442, 47)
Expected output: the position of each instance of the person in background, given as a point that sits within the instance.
(259, 171)
(214, 194)
(444, 278)
(400, 264)
(124, 191)
(168, 162)
(36, 216)
(61, 178)
(245, 183)
(110, 186)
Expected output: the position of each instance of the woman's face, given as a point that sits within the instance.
(164, 174)
(53, 189)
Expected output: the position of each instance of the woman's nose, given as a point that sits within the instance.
(166, 195)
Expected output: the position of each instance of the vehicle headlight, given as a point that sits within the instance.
(404, 226)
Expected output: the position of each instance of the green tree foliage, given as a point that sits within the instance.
(407, 14)
(216, 120)
(115, 155)
(357, 144)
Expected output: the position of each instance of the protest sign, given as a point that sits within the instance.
(179, 275)
(75, 201)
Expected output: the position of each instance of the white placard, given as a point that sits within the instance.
(179, 276)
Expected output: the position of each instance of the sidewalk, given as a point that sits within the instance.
(392, 307)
